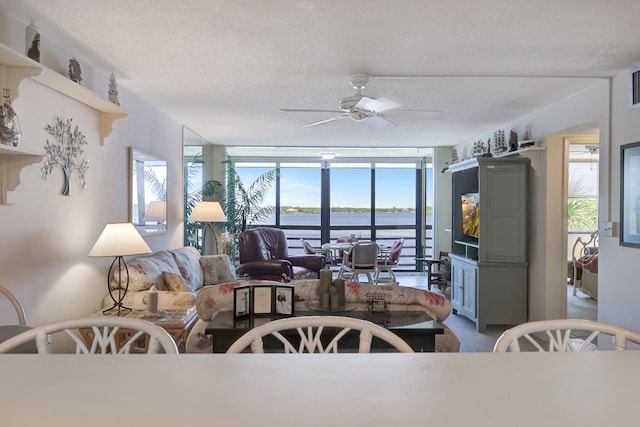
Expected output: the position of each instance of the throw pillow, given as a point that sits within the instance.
(217, 269)
(175, 282)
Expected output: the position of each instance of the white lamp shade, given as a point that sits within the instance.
(119, 239)
(156, 211)
(208, 212)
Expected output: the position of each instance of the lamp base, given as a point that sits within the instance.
(117, 303)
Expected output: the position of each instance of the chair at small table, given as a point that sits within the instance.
(387, 261)
(439, 271)
(9, 331)
(564, 335)
(311, 329)
(310, 250)
(362, 258)
(104, 330)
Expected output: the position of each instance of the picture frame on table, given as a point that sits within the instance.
(262, 299)
(284, 301)
(242, 301)
(630, 195)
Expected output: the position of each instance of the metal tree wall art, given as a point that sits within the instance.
(66, 152)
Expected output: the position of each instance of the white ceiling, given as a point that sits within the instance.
(225, 67)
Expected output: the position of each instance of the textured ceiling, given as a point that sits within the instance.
(225, 68)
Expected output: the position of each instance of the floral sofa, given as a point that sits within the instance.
(211, 299)
(177, 274)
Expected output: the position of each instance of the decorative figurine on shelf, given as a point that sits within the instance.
(454, 156)
(32, 39)
(513, 140)
(113, 90)
(66, 152)
(478, 149)
(488, 153)
(75, 74)
(34, 50)
(10, 131)
(527, 133)
(499, 145)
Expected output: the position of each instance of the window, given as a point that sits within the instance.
(583, 194)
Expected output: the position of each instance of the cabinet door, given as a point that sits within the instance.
(457, 285)
(503, 213)
(464, 278)
(469, 274)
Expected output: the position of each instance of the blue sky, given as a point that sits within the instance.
(349, 187)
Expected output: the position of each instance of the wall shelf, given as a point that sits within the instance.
(15, 67)
(473, 162)
(12, 160)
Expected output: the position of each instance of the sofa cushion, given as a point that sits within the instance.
(175, 282)
(146, 271)
(188, 262)
(217, 269)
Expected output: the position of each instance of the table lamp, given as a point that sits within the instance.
(119, 240)
(209, 213)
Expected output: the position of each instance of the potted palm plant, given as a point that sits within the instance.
(243, 205)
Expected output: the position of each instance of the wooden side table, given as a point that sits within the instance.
(177, 322)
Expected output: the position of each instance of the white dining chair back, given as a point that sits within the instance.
(22, 319)
(362, 258)
(387, 261)
(317, 334)
(101, 336)
(563, 335)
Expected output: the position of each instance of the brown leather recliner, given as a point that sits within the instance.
(264, 255)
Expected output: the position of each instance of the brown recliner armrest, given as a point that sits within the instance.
(311, 262)
(272, 269)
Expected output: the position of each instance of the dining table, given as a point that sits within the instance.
(377, 389)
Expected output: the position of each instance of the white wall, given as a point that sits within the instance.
(46, 236)
(618, 278)
(547, 222)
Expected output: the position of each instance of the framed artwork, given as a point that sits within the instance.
(241, 301)
(262, 300)
(283, 299)
(630, 195)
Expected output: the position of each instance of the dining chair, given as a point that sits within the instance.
(310, 250)
(563, 335)
(438, 271)
(97, 335)
(11, 330)
(22, 319)
(362, 258)
(387, 261)
(317, 334)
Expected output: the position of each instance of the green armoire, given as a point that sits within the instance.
(489, 255)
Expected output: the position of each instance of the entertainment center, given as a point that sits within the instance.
(489, 240)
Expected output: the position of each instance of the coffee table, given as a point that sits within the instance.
(177, 322)
(415, 327)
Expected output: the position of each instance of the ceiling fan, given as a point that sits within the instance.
(361, 108)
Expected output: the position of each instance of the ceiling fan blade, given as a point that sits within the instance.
(295, 110)
(432, 114)
(319, 122)
(376, 105)
(380, 123)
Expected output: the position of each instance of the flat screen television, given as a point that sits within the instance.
(470, 203)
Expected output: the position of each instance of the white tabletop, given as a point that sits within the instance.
(466, 389)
